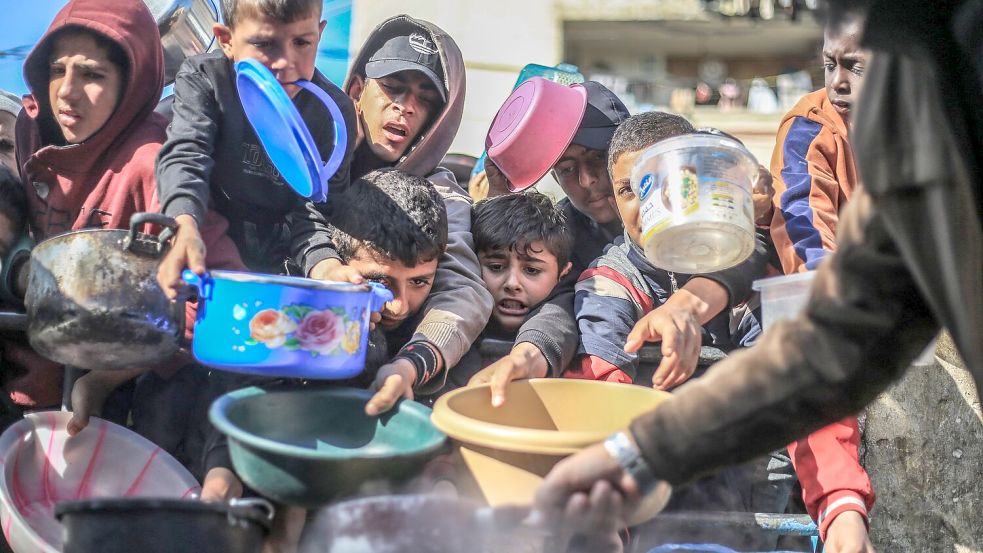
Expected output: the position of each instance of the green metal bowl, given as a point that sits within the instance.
(310, 446)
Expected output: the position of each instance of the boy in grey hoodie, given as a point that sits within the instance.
(408, 85)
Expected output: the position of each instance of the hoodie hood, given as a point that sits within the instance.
(129, 24)
(816, 106)
(434, 142)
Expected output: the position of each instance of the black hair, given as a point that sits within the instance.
(13, 201)
(641, 131)
(392, 213)
(113, 50)
(515, 221)
(283, 11)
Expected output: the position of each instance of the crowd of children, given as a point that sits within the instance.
(567, 284)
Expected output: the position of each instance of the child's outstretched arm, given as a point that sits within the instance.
(459, 305)
(90, 392)
(545, 343)
(183, 173)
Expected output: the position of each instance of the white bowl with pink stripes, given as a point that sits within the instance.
(43, 465)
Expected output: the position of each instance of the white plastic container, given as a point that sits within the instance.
(783, 297)
(696, 211)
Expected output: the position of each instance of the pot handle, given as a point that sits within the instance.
(380, 296)
(237, 507)
(142, 218)
(201, 284)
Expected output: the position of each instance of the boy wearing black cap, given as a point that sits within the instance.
(547, 342)
(408, 83)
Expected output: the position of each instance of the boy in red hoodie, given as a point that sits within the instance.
(87, 141)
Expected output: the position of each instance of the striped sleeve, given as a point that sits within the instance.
(827, 463)
(806, 194)
(608, 305)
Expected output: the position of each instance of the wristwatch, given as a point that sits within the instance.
(623, 449)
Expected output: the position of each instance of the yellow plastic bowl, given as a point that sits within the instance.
(506, 451)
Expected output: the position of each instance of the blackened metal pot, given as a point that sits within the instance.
(93, 300)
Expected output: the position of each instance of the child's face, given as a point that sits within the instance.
(410, 285)
(844, 63)
(8, 152)
(518, 281)
(624, 198)
(583, 176)
(288, 50)
(83, 88)
(393, 110)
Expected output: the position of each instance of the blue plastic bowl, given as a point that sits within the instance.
(311, 446)
(283, 326)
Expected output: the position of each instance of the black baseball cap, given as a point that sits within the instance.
(603, 115)
(415, 51)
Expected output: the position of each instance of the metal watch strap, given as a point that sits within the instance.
(629, 457)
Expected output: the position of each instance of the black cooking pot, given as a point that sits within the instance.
(93, 300)
(157, 525)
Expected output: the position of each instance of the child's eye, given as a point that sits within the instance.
(494, 267)
(625, 192)
(532, 271)
(419, 282)
(302, 42)
(261, 44)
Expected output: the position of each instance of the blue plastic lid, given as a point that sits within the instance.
(282, 131)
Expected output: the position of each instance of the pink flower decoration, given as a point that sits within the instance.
(320, 332)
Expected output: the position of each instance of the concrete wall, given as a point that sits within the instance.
(923, 447)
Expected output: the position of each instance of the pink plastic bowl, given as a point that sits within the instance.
(533, 128)
(42, 465)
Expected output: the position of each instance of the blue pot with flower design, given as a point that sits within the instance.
(283, 326)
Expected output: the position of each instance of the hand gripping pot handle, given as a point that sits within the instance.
(340, 135)
(202, 285)
(380, 296)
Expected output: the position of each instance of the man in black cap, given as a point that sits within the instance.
(397, 99)
(548, 340)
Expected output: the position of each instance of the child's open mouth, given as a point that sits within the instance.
(512, 307)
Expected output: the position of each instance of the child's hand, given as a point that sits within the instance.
(393, 382)
(498, 184)
(221, 485)
(524, 361)
(90, 392)
(848, 534)
(336, 271)
(187, 251)
(680, 333)
(763, 194)
(333, 269)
